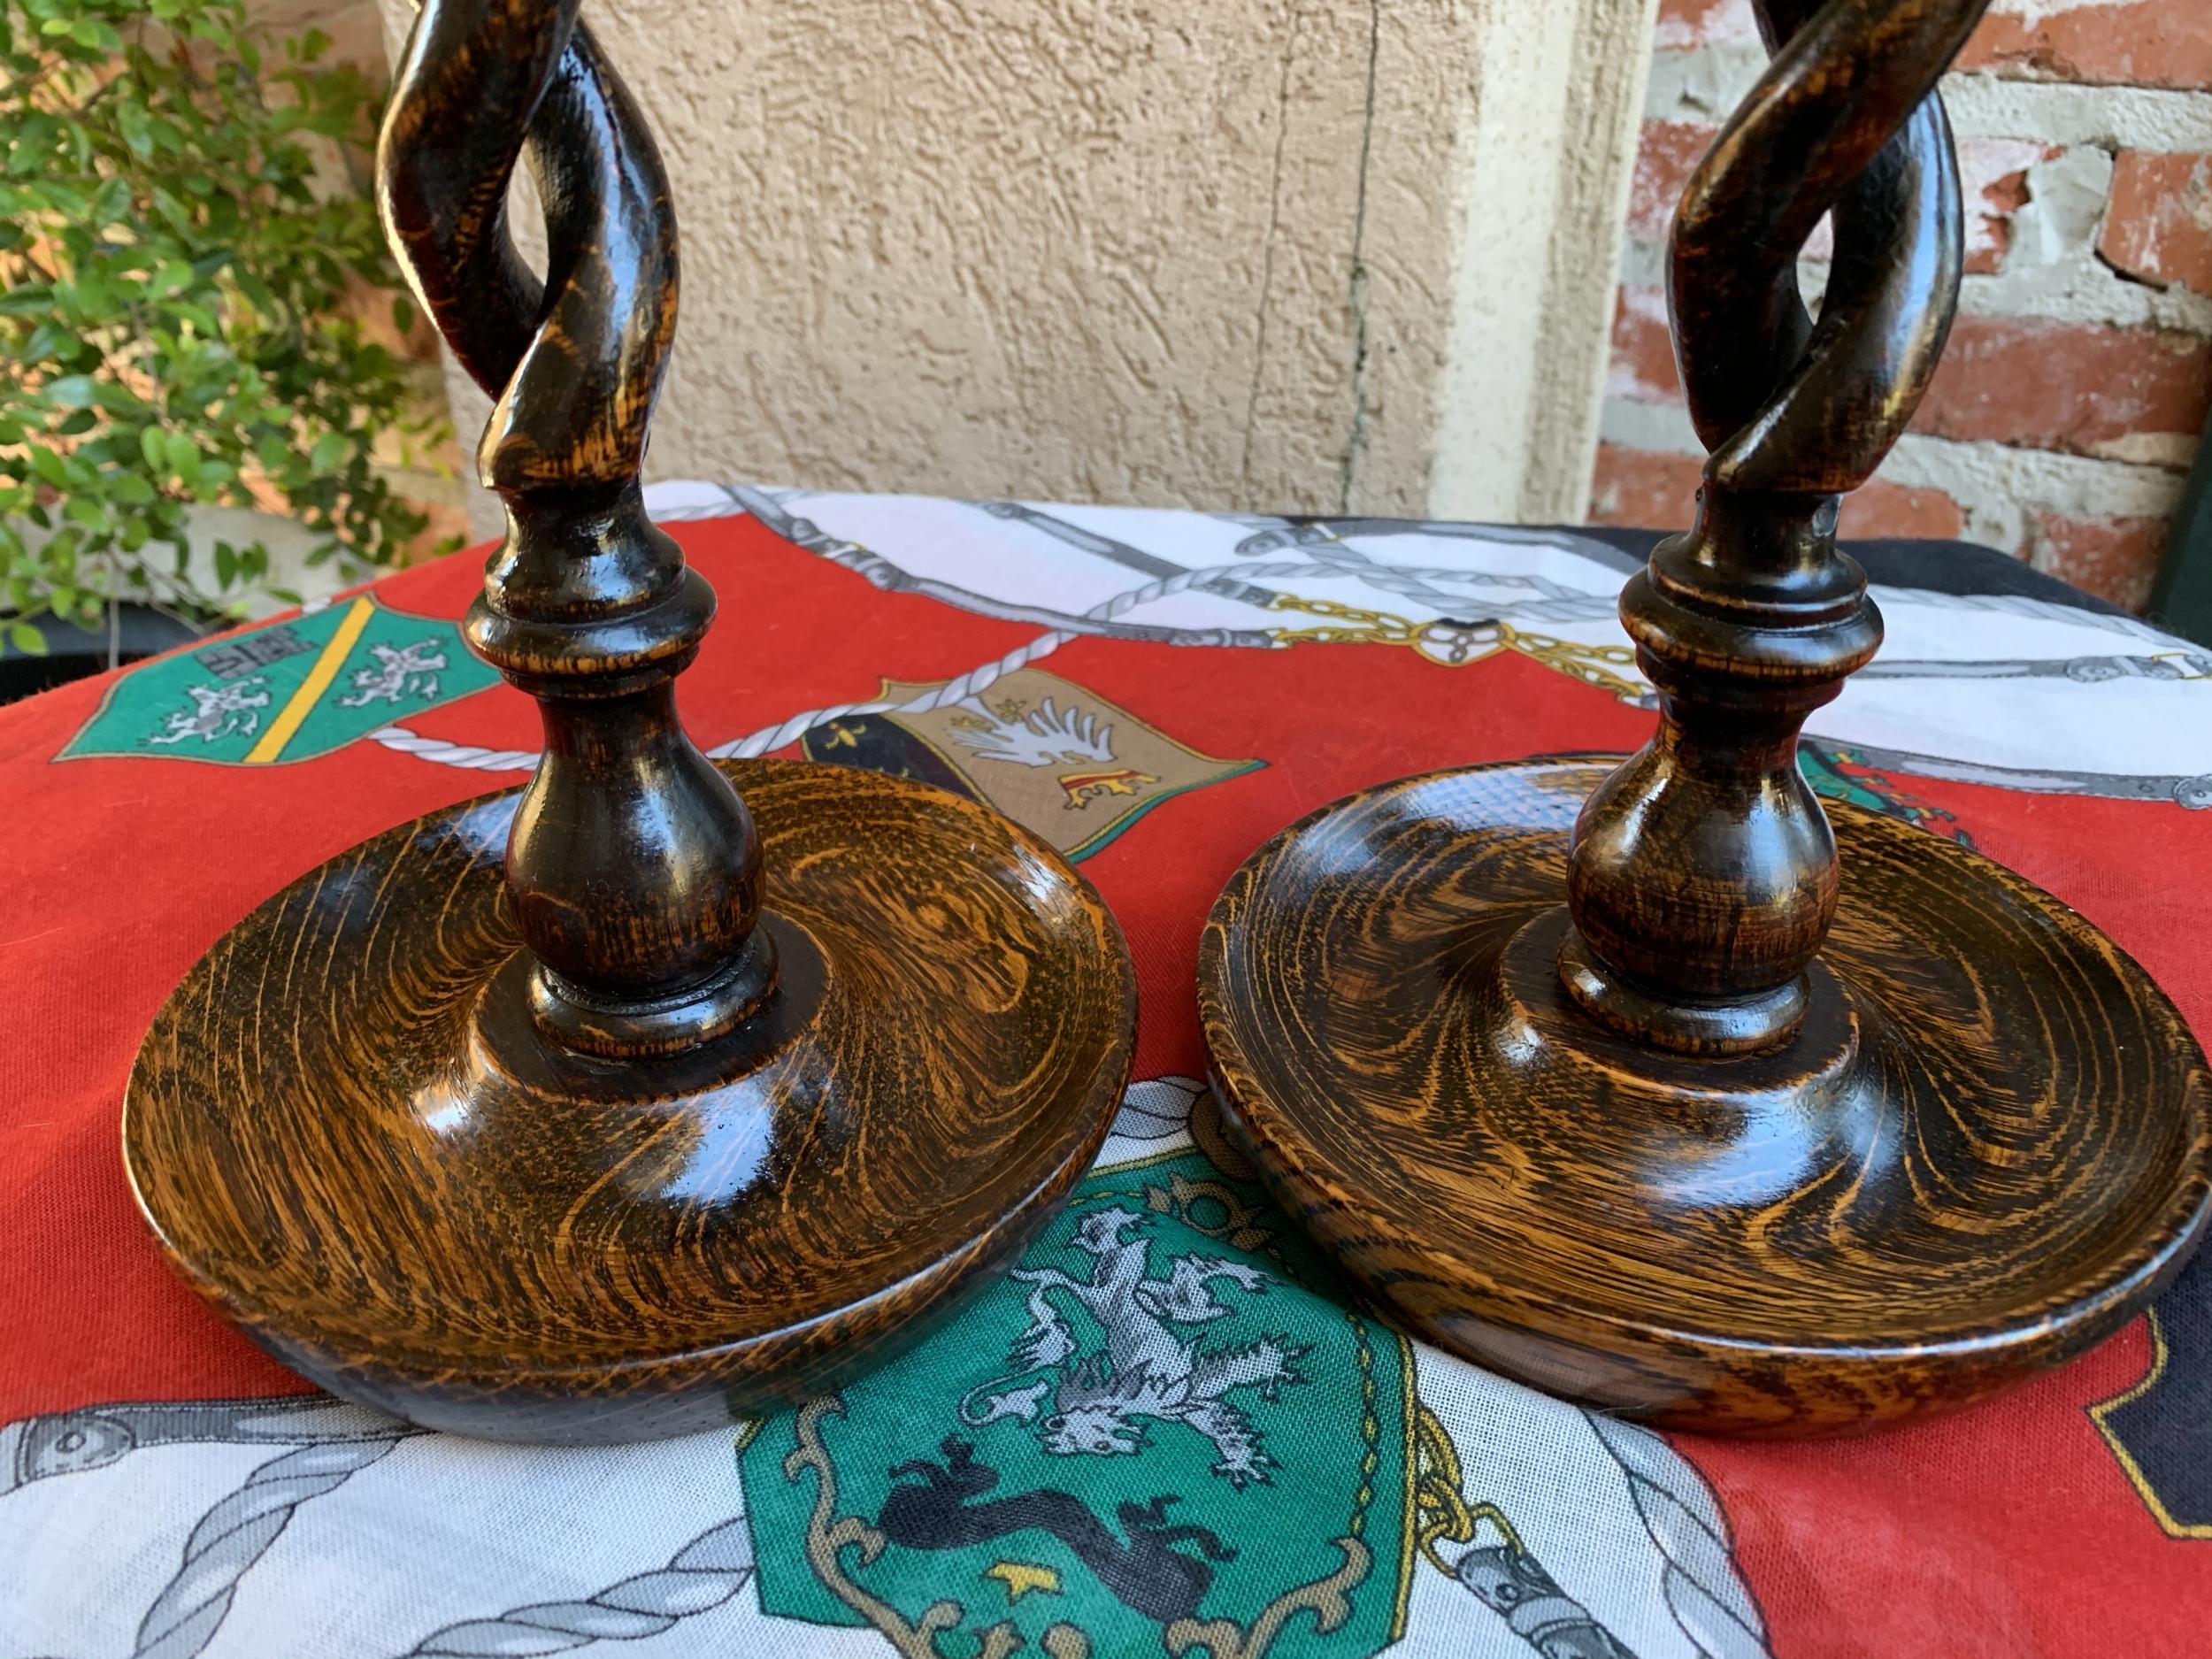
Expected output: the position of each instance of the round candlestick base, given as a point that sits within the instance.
(1988, 1144)
(349, 1134)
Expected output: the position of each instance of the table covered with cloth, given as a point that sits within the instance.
(1154, 693)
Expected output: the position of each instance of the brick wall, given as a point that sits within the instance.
(2063, 421)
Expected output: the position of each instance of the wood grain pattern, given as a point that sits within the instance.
(1987, 1145)
(1703, 874)
(348, 1135)
(578, 1140)
(1736, 1138)
(635, 867)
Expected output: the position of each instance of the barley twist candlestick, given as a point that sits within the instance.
(620, 1106)
(587, 606)
(1702, 877)
(1721, 1141)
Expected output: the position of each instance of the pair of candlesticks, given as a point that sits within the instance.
(663, 1092)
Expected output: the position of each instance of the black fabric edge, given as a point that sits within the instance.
(1930, 566)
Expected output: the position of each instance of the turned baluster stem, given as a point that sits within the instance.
(1702, 877)
(634, 869)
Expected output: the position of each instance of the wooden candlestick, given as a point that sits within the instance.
(615, 1107)
(1721, 1141)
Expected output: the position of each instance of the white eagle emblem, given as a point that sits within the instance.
(217, 712)
(411, 671)
(1147, 1367)
(1042, 736)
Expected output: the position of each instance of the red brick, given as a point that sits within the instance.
(2159, 224)
(1643, 488)
(1879, 508)
(2105, 43)
(2064, 386)
(1643, 349)
(1652, 491)
(2113, 558)
(1686, 23)
(1668, 155)
(1993, 179)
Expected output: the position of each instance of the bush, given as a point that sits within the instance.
(171, 309)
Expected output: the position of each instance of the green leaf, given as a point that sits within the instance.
(131, 121)
(175, 303)
(118, 400)
(26, 639)
(70, 391)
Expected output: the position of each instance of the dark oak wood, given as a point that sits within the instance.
(635, 868)
(351, 1137)
(1725, 1139)
(607, 1109)
(1986, 1146)
(1703, 874)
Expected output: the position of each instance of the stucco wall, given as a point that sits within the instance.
(1260, 253)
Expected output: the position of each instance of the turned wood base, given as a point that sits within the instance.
(1986, 1146)
(348, 1135)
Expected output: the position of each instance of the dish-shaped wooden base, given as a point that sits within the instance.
(1985, 1149)
(348, 1135)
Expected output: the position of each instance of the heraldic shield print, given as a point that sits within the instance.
(1101, 1457)
(1057, 759)
(1168, 1426)
(1165, 1432)
(286, 691)
(1168, 1431)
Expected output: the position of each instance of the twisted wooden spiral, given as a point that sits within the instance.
(633, 867)
(1703, 878)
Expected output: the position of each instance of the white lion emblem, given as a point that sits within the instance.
(217, 712)
(1147, 1368)
(411, 671)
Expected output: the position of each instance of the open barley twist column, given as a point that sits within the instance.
(1650, 1082)
(634, 868)
(1703, 875)
(620, 1106)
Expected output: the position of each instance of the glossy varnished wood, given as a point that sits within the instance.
(616, 1107)
(1618, 1079)
(635, 869)
(349, 1134)
(1986, 1146)
(1703, 875)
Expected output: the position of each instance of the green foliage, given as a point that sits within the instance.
(171, 273)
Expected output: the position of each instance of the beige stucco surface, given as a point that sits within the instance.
(1227, 252)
